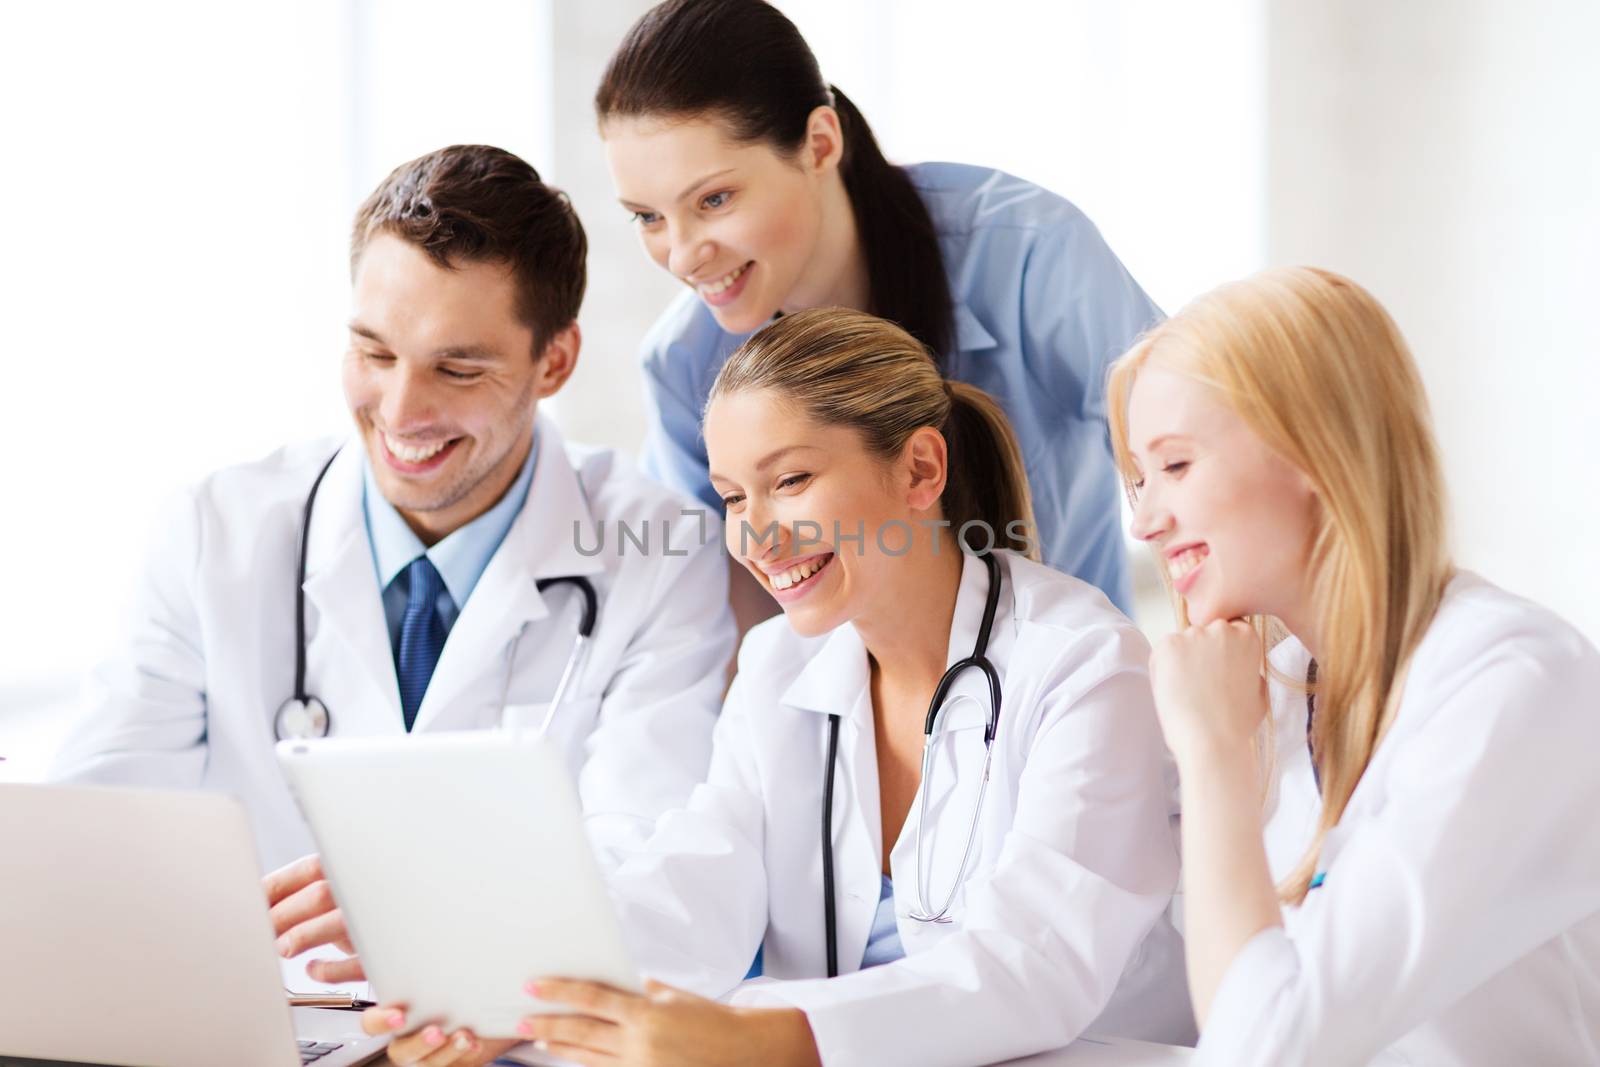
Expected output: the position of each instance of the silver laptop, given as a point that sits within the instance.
(133, 931)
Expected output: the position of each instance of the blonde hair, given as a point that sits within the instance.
(1319, 371)
(847, 368)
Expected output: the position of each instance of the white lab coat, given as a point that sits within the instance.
(210, 657)
(1459, 922)
(1061, 920)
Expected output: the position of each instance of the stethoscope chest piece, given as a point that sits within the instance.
(301, 718)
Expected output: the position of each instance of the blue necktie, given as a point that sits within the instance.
(421, 635)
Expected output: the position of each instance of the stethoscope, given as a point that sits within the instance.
(980, 660)
(305, 716)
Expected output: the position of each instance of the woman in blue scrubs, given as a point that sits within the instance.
(762, 188)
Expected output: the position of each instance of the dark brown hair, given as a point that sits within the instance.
(744, 63)
(475, 203)
(848, 368)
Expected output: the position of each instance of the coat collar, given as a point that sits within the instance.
(342, 581)
(542, 543)
(547, 532)
(462, 556)
(336, 515)
(835, 681)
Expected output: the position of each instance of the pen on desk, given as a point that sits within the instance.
(329, 1000)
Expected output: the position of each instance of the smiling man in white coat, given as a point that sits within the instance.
(425, 544)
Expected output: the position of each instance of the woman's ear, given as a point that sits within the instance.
(824, 146)
(926, 460)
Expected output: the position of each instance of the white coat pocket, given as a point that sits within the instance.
(573, 722)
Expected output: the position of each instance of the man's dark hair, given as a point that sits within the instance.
(475, 203)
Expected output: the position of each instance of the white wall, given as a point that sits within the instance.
(1446, 154)
(604, 402)
(174, 278)
(423, 76)
(1147, 115)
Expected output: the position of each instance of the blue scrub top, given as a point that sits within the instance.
(1041, 306)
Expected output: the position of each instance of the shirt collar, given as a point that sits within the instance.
(971, 335)
(460, 557)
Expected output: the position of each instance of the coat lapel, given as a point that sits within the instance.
(836, 681)
(475, 663)
(350, 664)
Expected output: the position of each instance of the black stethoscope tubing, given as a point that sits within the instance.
(979, 659)
(315, 709)
(300, 693)
(591, 599)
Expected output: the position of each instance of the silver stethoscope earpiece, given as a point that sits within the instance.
(304, 716)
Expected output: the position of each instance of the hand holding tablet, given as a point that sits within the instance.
(516, 894)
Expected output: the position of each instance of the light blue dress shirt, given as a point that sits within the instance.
(460, 557)
(1041, 307)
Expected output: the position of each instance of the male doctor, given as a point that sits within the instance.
(428, 535)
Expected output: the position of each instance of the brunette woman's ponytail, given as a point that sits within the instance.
(847, 368)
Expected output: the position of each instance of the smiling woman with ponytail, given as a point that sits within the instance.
(1022, 875)
(761, 187)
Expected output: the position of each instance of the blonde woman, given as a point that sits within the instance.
(861, 488)
(1427, 890)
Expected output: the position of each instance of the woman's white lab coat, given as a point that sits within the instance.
(1061, 923)
(1459, 920)
(190, 700)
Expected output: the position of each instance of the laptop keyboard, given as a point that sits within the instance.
(312, 1051)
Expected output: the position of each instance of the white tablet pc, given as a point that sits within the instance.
(460, 863)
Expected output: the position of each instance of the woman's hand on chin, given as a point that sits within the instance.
(1210, 690)
(664, 1027)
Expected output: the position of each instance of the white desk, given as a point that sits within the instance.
(1114, 1052)
(1087, 1052)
